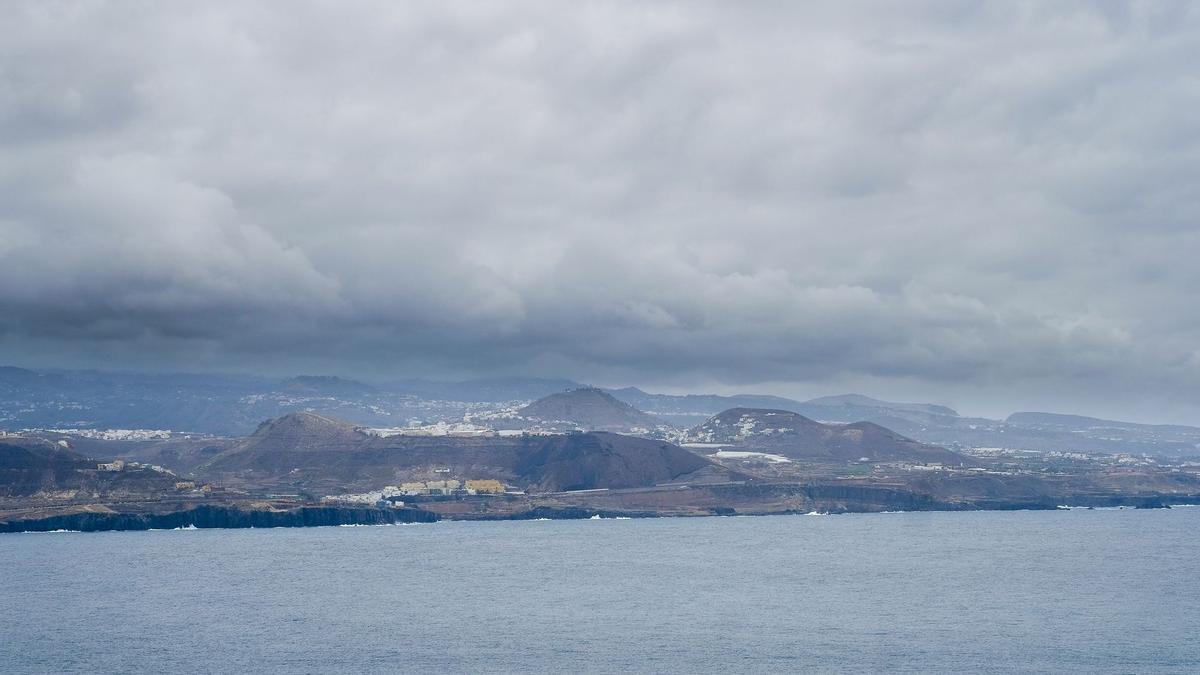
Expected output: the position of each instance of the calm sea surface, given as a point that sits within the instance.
(1086, 591)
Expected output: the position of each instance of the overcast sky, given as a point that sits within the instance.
(994, 206)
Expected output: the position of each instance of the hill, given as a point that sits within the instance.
(181, 454)
(326, 385)
(872, 406)
(602, 460)
(39, 467)
(32, 465)
(688, 409)
(691, 408)
(302, 433)
(1080, 423)
(798, 437)
(590, 409)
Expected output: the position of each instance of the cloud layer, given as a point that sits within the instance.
(993, 201)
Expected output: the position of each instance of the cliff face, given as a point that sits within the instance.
(221, 517)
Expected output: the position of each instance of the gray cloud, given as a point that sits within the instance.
(987, 204)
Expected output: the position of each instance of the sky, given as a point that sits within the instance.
(989, 205)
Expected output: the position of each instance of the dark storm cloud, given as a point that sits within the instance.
(939, 196)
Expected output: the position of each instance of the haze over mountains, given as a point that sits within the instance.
(236, 405)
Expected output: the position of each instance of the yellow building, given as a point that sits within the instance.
(488, 486)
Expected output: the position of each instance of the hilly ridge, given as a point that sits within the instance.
(798, 437)
(590, 409)
(36, 466)
(313, 453)
(602, 460)
(300, 433)
(30, 465)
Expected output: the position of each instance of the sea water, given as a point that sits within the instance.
(1082, 591)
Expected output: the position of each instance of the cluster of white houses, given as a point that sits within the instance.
(453, 429)
(433, 488)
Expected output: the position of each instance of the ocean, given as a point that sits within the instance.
(1059, 591)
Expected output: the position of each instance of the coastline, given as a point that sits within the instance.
(233, 516)
(219, 517)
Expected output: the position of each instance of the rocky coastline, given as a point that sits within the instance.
(818, 499)
(220, 516)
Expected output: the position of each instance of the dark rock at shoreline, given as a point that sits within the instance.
(207, 516)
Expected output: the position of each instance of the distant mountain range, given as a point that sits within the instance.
(941, 425)
(684, 410)
(235, 406)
